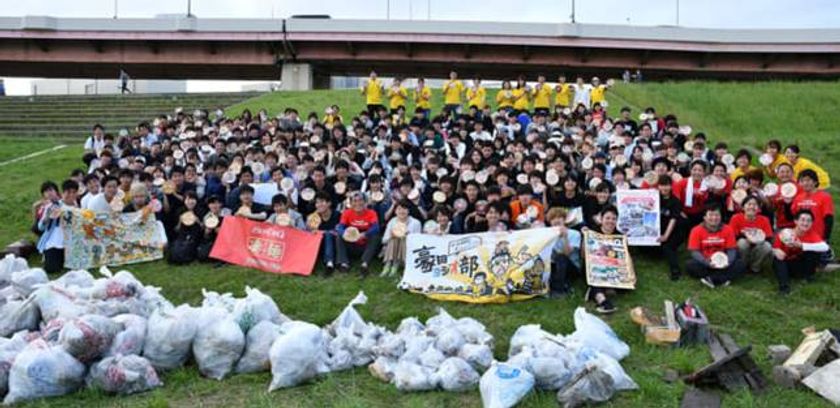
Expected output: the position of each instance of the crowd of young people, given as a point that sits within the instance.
(546, 155)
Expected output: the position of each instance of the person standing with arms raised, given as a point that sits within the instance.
(452, 91)
(373, 89)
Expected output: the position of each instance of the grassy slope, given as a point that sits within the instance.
(751, 311)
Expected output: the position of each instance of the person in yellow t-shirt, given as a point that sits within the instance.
(452, 91)
(332, 117)
(521, 96)
(373, 89)
(397, 96)
(542, 96)
(564, 93)
(423, 97)
(476, 95)
(801, 164)
(742, 165)
(597, 92)
(504, 98)
(773, 149)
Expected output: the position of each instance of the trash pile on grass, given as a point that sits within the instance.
(115, 334)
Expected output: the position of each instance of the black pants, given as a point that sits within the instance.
(54, 260)
(373, 110)
(804, 266)
(563, 270)
(344, 250)
(670, 248)
(730, 273)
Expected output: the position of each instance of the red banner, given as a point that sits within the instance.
(267, 247)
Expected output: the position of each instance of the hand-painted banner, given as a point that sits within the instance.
(608, 262)
(93, 239)
(492, 267)
(638, 216)
(267, 247)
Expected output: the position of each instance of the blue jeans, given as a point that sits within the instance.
(328, 248)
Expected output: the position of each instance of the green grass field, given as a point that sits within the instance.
(739, 113)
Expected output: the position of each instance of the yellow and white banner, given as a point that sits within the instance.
(491, 267)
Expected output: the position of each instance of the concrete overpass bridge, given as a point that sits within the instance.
(305, 52)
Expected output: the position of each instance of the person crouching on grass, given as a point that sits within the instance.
(358, 234)
(797, 253)
(706, 240)
(748, 226)
(565, 256)
(608, 226)
(394, 238)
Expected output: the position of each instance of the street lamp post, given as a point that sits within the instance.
(573, 11)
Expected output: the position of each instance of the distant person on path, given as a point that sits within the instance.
(124, 81)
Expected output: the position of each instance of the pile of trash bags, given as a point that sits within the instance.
(115, 334)
(445, 353)
(582, 368)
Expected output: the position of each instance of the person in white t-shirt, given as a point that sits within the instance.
(96, 141)
(102, 201)
(582, 93)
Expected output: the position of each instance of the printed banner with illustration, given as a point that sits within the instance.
(267, 247)
(608, 262)
(492, 267)
(638, 216)
(94, 239)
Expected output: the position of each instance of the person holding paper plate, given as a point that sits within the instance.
(754, 234)
(394, 239)
(714, 257)
(797, 251)
(358, 234)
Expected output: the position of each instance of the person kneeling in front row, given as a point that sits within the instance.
(358, 234)
(565, 256)
(714, 256)
(797, 251)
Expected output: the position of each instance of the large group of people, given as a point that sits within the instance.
(545, 155)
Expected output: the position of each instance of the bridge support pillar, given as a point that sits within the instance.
(302, 77)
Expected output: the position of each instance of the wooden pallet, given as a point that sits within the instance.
(732, 368)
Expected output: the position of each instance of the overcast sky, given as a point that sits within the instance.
(693, 13)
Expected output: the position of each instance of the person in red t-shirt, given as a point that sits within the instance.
(692, 193)
(784, 174)
(818, 202)
(705, 240)
(746, 225)
(799, 254)
(366, 223)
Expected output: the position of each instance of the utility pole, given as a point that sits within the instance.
(388, 9)
(410, 10)
(573, 11)
(678, 12)
(428, 9)
(189, 8)
(115, 9)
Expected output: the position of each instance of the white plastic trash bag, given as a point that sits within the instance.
(169, 335)
(258, 342)
(41, 370)
(123, 375)
(440, 321)
(256, 307)
(26, 281)
(383, 368)
(595, 333)
(131, 338)
(479, 356)
(409, 376)
(18, 315)
(456, 375)
(350, 318)
(550, 373)
(592, 385)
(9, 265)
(9, 349)
(297, 355)
(54, 302)
(217, 347)
(449, 341)
(88, 337)
(78, 278)
(504, 385)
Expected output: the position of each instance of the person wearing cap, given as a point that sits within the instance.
(422, 97)
(799, 254)
(746, 223)
(188, 232)
(366, 222)
(524, 200)
(565, 255)
(453, 89)
(373, 89)
(801, 164)
(395, 246)
(280, 206)
(707, 239)
(563, 93)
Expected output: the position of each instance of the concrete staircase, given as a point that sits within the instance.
(73, 116)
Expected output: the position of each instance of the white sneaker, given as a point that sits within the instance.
(708, 282)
